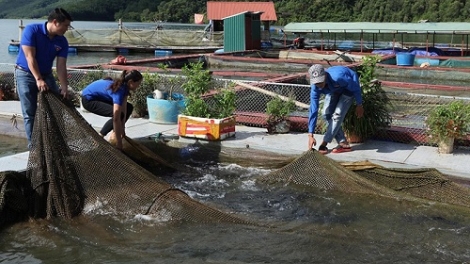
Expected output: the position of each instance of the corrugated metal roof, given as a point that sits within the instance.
(220, 10)
(371, 27)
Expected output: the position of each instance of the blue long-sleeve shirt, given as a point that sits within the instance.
(339, 79)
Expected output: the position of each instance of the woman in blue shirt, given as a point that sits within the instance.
(108, 97)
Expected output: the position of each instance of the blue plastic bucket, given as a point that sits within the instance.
(159, 53)
(405, 59)
(163, 111)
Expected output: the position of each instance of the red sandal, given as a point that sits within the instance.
(341, 149)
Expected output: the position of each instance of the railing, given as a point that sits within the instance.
(409, 110)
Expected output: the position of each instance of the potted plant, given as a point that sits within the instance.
(376, 105)
(163, 103)
(209, 110)
(278, 111)
(446, 123)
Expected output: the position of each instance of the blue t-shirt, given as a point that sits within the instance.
(339, 79)
(35, 35)
(100, 91)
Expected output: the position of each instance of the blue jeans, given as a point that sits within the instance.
(334, 110)
(28, 94)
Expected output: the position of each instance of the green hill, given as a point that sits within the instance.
(288, 10)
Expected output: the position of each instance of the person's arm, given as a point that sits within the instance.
(117, 125)
(30, 54)
(124, 111)
(61, 66)
(313, 111)
(313, 115)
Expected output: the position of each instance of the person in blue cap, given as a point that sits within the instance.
(40, 45)
(341, 86)
(108, 97)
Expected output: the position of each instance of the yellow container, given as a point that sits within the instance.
(206, 128)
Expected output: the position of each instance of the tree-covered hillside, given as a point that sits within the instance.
(287, 10)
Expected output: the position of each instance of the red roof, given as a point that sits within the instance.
(220, 10)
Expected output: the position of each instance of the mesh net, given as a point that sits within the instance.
(429, 184)
(418, 185)
(72, 170)
(13, 202)
(70, 166)
(143, 38)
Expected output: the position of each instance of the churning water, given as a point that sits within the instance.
(296, 225)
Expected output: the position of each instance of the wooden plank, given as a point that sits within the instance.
(261, 90)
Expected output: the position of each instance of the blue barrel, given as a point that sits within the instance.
(405, 59)
(219, 51)
(265, 45)
(123, 51)
(72, 50)
(13, 48)
(162, 111)
(159, 53)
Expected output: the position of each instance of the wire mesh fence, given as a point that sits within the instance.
(409, 110)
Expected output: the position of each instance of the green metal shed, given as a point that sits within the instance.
(242, 32)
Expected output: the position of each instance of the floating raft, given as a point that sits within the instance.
(158, 51)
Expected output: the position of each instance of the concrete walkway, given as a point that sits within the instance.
(383, 153)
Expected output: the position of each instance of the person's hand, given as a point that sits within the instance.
(42, 85)
(64, 92)
(359, 111)
(119, 146)
(311, 141)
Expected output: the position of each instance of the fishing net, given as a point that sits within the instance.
(417, 185)
(142, 38)
(73, 170)
(13, 202)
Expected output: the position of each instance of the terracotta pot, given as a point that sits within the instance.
(353, 138)
(446, 146)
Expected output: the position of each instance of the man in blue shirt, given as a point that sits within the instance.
(40, 45)
(340, 85)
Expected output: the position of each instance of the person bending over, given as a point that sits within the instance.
(108, 97)
(340, 85)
